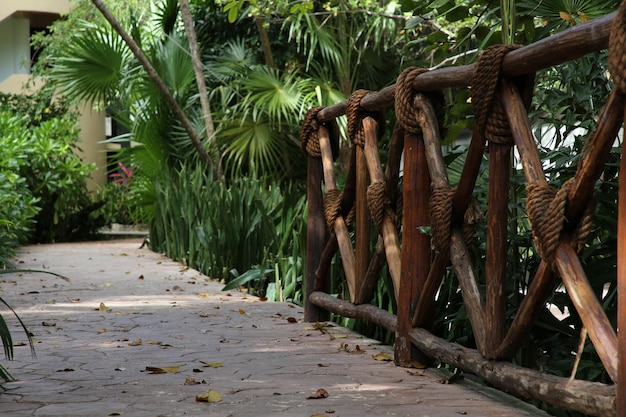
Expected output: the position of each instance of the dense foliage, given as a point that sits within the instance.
(265, 64)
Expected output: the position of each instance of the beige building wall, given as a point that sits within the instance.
(16, 19)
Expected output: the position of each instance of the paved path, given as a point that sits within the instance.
(128, 309)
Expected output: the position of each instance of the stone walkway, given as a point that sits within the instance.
(128, 311)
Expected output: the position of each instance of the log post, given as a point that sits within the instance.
(415, 246)
(316, 237)
(495, 268)
(362, 223)
(621, 286)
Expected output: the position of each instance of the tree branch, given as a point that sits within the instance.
(154, 76)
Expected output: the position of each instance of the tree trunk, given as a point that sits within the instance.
(154, 76)
(265, 41)
(204, 96)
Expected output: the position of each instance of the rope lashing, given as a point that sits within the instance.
(617, 49)
(441, 218)
(379, 204)
(406, 112)
(546, 211)
(489, 113)
(308, 133)
(355, 114)
(332, 207)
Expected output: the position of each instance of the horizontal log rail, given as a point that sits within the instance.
(418, 262)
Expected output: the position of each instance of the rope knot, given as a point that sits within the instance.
(617, 49)
(489, 113)
(546, 211)
(355, 114)
(379, 203)
(406, 111)
(309, 139)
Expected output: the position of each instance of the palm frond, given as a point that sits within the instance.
(93, 65)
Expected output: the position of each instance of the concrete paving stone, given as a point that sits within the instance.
(155, 312)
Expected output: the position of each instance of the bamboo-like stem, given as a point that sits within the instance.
(341, 229)
(594, 319)
(459, 255)
(390, 236)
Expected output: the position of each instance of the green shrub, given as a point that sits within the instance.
(18, 206)
(245, 225)
(39, 140)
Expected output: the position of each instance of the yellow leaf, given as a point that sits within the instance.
(567, 17)
(203, 295)
(212, 364)
(383, 356)
(115, 413)
(242, 311)
(584, 17)
(209, 397)
(102, 330)
(104, 307)
(162, 369)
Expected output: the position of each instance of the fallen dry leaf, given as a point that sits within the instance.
(209, 397)
(192, 381)
(383, 356)
(115, 413)
(140, 276)
(320, 393)
(241, 311)
(48, 324)
(212, 364)
(101, 330)
(292, 320)
(103, 307)
(319, 415)
(136, 342)
(163, 369)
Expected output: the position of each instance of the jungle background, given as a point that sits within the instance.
(237, 210)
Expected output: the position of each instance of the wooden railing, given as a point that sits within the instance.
(340, 220)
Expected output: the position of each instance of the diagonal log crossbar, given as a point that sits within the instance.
(376, 198)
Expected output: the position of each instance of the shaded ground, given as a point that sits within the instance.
(128, 308)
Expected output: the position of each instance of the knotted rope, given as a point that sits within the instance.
(309, 139)
(355, 115)
(407, 113)
(489, 113)
(546, 212)
(617, 49)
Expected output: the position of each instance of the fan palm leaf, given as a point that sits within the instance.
(94, 66)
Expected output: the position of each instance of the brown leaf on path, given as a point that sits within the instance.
(101, 330)
(263, 299)
(241, 311)
(115, 413)
(140, 276)
(136, 342)
(163, 369)
(383, 356)
(292, 320)
(177, 288)
(209, 397)
(48, 324)
(319, 415)
(192, 381)
(103, 307)
(320, 393)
